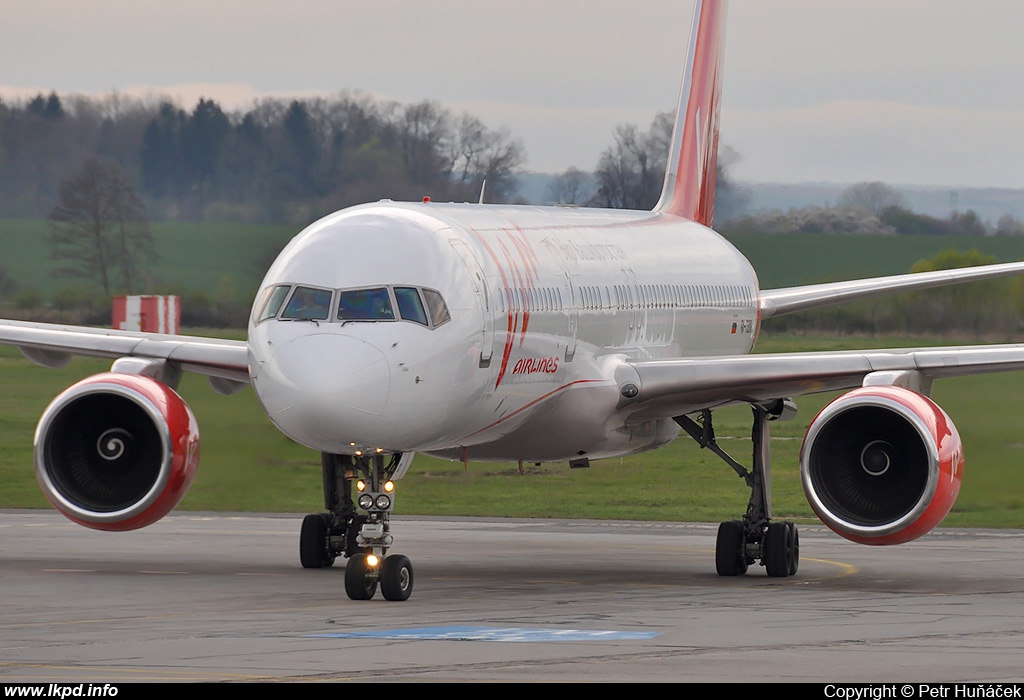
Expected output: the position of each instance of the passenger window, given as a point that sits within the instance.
(410, 308)
(438, 309)
(308, 304)
(365, 305)
(273, 297)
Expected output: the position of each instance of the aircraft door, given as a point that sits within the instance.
(483, 296)
(573, 311)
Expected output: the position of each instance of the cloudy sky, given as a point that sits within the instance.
(905, 91)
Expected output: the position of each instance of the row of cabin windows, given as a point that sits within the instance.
(644, 296)
(299, 303)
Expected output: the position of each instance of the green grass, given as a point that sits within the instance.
(802, 258)
(247, 465)
(196, 256)
(193, 257)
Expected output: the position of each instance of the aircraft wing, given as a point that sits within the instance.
(668, 388)
(775, 302)
(53, 346)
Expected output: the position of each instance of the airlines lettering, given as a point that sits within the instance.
(536, 365)
(579, 252)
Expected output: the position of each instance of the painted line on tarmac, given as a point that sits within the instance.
(496, 634)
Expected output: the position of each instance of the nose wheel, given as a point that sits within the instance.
(365, 571)
(364, 538)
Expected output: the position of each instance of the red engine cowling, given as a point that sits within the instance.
(881, 465)
(116, 451)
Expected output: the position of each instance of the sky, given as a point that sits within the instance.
(925, 92)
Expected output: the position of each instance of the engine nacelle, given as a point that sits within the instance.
(116, 451)
(881, 465)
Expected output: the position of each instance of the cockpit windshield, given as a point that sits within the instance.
(308, 304)
(365, 305)
(409, 305)
(420, 305)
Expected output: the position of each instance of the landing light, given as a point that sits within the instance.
(360, 486)
(366, 501)
(383, 502)
(372, 560)
(389, 486)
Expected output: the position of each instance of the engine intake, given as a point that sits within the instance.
(116, 451)
(881, 465)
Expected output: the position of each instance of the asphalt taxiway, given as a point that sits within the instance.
(201, 597)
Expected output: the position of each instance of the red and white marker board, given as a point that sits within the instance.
(149, 313)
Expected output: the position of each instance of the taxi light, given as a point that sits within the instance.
(361, 485)
(366, 501)
(379, 450)
(389, 486)
(372, 560)
(383, 502)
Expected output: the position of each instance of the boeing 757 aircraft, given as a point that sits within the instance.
(476, 332)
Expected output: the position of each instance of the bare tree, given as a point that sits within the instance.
(478, 154)
(873, 197)
(629, 172)
(571, 187)
(100, 229)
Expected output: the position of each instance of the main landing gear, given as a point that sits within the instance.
(742, 542)
(363, 539)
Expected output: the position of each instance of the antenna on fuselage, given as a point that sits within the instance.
(483, 188)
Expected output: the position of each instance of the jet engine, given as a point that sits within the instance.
(881, 465)
(116, 451)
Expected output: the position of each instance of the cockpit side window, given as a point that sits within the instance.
(409, 305)
(438, 308)
(365, 305)
(308, 304)
(271, 302)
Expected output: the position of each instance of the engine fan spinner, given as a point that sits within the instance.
(116, 451)
(881, 465)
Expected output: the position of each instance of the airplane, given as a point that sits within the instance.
(541, 334)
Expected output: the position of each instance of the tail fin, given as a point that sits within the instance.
(689, 189)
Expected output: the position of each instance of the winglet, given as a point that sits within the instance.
(689, 189)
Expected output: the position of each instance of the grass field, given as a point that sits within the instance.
(801, 258)
(198, 256)
(194, 257)
(248, 466)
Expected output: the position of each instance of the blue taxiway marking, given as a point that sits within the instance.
(496, 634)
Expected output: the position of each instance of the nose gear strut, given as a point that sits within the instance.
(364, 538)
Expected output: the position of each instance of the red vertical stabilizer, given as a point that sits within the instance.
(689, 189)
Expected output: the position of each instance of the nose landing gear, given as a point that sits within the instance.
(363, 539)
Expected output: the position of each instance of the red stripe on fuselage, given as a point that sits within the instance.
(538, 400)
(511, 321)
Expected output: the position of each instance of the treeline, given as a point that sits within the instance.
(873, 208)
(280, 161)
(630, 173)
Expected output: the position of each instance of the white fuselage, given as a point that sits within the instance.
(545, 307)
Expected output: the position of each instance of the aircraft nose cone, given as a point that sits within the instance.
(326, 390)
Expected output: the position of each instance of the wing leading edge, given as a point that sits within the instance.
(669, 388)
(775, 302)
(54, 345)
